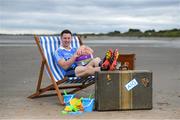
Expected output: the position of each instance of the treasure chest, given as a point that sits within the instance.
(123, 90)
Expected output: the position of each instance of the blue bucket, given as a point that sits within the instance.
(88, 104)
(67, 98)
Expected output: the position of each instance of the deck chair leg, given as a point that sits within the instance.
(38, 90)
(40, 76)
(37, 93)
(60, 96)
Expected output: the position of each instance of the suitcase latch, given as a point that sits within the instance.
(145, 82)
(108, 77)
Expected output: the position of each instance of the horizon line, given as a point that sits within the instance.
(49, 33)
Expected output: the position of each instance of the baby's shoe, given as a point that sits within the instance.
(106, 62)
(113, 60)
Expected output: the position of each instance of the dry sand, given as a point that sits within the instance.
(19, 69)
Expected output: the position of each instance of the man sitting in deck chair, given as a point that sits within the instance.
(66, 57)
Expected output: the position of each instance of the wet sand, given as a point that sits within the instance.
(19, 69)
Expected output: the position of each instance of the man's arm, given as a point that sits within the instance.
(66, 64)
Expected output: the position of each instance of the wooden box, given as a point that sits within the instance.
(123, 90)
(127, 61)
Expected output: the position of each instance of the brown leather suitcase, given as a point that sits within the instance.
(123, 90)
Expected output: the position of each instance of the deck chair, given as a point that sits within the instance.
(47, 45)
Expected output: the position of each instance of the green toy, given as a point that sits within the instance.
(65, 93)
(75, 105)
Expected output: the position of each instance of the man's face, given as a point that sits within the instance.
(66, 39)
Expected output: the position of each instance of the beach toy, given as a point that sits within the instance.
(106, 61)
(75, 113)
(84, 59)
(88, 104)
(71, 113)
(90, 96)
(76, 104)
(67, 98)
(64, 112)
(75, 107)
(68, 108)
(114, 60)
(65, 93)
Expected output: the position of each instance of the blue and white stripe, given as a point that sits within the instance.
(49, 45)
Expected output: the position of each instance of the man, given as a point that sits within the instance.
(66, 57)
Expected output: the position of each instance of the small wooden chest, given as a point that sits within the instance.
(123, 90)
(127, 60)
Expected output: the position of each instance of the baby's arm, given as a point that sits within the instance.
(85, 50)
(88, 50)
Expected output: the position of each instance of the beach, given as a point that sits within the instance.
(20, 65)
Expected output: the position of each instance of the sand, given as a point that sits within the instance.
(19, 69)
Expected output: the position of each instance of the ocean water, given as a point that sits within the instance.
(139, 43)
(12, 40)
(16, 40)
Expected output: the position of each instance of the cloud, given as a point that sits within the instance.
(87, 15)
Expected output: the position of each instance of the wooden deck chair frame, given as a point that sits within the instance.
(55, 85)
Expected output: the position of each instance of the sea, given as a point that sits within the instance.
(28, 40)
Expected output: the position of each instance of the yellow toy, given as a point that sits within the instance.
(75, 105)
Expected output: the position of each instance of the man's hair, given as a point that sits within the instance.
(66, 31)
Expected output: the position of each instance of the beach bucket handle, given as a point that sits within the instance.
(69, 99)
(89, 103)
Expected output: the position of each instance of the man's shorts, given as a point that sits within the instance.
(70, 72)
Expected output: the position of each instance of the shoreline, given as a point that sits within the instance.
(128, 38)
(31, 38)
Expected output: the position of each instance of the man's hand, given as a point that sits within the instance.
(78, 53)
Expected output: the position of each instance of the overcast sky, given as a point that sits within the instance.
(52, 16)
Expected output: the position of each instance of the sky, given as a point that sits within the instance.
(87, 16)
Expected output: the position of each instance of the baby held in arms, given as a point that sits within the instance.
(86, 55)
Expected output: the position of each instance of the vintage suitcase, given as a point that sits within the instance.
(123, 90)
